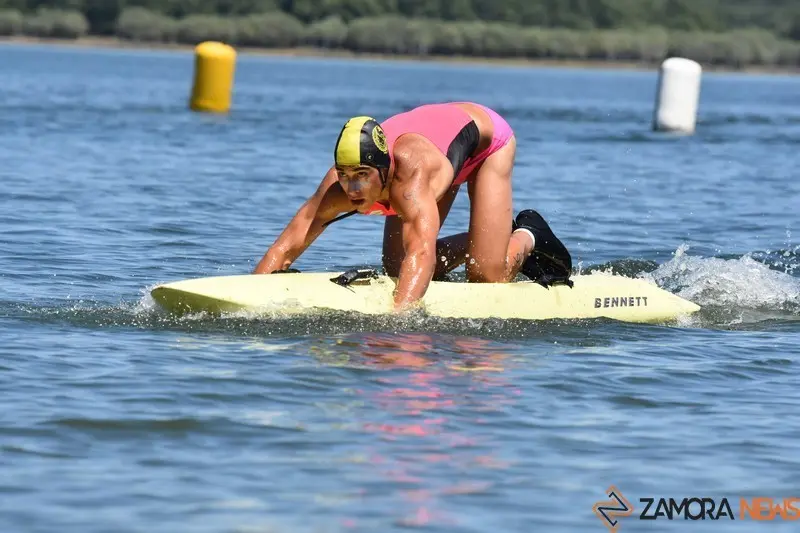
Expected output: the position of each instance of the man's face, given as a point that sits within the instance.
(362, 184)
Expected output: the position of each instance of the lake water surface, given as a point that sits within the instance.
(117, 417)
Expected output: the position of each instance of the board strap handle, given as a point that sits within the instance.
(354, 274)
(553, 280)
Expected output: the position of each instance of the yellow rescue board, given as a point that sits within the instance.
(592, 296)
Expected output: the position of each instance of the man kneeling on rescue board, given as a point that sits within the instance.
(410, 168)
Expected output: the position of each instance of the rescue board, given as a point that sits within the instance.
(595, 295)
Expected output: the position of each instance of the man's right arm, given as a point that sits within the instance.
(308, 223)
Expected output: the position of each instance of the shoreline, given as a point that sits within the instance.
(100, 42)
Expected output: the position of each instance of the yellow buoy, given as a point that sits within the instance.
(214, 66)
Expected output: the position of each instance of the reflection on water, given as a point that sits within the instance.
(396, 350)
(118, 416)
(434, 393)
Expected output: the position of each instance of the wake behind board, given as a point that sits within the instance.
(592, 296)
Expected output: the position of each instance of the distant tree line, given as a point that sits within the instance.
(735, 33)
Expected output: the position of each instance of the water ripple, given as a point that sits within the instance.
(119, 417)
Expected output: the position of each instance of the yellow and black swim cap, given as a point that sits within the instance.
(362, 142)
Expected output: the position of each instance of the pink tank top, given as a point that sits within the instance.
(439, 123)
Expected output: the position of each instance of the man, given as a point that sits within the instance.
(409, 169)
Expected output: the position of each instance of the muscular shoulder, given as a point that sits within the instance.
(413, 153)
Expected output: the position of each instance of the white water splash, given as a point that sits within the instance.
(741, 283)
(146, 304)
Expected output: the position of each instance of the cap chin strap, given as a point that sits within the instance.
(340, 217)
(384, 177)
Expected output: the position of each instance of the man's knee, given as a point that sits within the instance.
(486, 271)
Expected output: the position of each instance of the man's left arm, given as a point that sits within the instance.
(414, 200)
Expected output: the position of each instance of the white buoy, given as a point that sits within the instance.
(678, 96)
